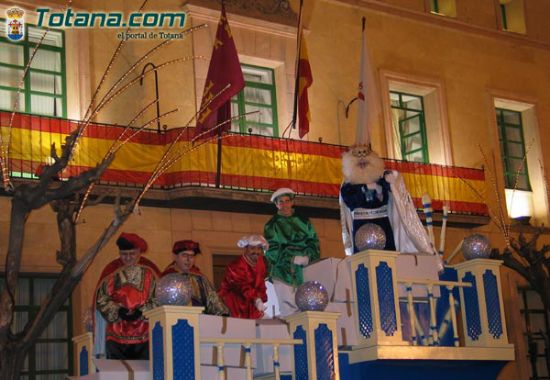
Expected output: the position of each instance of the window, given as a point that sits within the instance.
(258, 95)
(536, 328)
(512, 149)
(512, 16)
(44, 89)
(443, 7)
(409, 122)
(51, 357)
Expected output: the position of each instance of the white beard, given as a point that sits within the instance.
(365, 170)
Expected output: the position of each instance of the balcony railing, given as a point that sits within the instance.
(249, 163)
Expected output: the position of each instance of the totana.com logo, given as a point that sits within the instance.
(15, 25)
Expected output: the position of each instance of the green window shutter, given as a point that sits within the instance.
(259, 94)
(44, 90)
(512, 149)
(408, 111)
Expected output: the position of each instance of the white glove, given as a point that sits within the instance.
(260, 305)
(301, 260)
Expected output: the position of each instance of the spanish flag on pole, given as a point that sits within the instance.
(304, 82)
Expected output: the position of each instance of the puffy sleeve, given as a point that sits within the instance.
(105, 304)
(312, 242)
(237, 278)
(214, 304)
(274, 238)
(151, 303)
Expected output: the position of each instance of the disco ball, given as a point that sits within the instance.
(173, 289)
(370, 236)
(476, 246)
(311, 296)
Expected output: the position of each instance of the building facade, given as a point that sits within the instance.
(462, 84)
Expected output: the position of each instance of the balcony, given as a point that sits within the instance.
(251, 167)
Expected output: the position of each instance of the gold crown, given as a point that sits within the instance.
(15, 13)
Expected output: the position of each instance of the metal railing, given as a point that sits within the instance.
(249, 163)
(432, 338)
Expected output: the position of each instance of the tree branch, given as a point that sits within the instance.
(18, 219)
(511, 262)
(69, 279)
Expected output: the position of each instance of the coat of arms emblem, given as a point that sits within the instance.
(15, 26)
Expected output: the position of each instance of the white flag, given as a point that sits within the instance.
(367, 97)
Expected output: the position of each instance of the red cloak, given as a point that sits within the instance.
(242, 285)
(128, 296)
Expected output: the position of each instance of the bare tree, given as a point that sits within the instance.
(529, 262)
(67, 199)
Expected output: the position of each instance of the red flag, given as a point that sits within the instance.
(224, 70)
(304, 82)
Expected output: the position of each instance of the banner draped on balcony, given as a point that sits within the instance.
(253, 163)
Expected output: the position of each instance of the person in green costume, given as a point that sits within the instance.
(293, 244)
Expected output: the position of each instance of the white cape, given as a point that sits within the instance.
(408, 232)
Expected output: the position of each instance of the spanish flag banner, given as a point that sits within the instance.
(249, 163)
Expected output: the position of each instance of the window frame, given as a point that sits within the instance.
(509, 176)
(503, 16)
(444, 8)
(526, 312)
(32, 309)
(28, 46)
(422, 126)
(434, 5)
(239, 99)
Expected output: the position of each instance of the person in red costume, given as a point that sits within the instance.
(187, 262)
(125, 290)
(243, 286)
(203, 293)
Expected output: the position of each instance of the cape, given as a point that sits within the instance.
(409, 234)
(100, 324)
(242, 284)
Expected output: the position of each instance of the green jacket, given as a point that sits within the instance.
(290, 236)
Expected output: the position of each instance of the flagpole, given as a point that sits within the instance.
(297, 68)
(219, 132)
(219, 161)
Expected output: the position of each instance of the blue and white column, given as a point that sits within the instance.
(84, 348)
(317, 357)
(376, 306)
(174, 342)
(482, 306)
